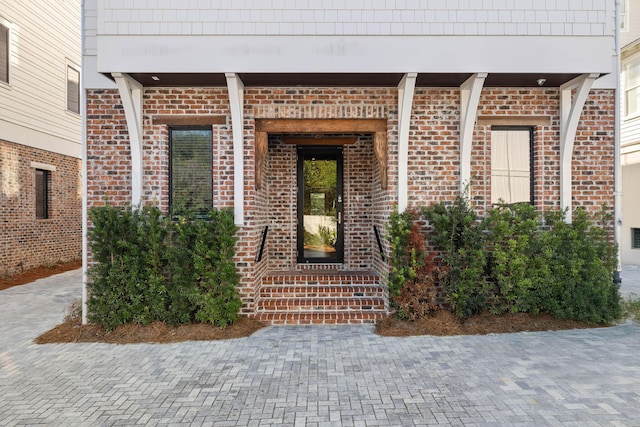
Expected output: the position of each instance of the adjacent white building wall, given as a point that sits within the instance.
(629, 140)
(33, 105)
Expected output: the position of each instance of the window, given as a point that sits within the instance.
(42, 193)
(635, 238)
(4, 54)
(73, 90)
(632, 88)
(511, 159)
(624, 15)
(191, 169)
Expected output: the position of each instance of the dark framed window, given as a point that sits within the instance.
(43, 178)
(73, 90)
(511, 165)
(4, 54)
(191, 169)
(635, 238)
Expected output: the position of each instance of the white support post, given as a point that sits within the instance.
(235, 88)
(470, 92)
(569, 118)
(131, 96)
(406, 89)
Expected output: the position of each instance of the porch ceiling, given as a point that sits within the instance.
(346, 79)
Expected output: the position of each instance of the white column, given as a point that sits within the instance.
(131, 97)
(569, 118)
(406, 89)
(469, 100)
(235, 88)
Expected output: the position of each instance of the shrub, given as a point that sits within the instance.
(517, 265)
(512, 261)
(457, 233)
(414, 275)
(582, 262)
(631, 307)
(148, 267)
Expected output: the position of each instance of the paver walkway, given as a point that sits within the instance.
(308, 376)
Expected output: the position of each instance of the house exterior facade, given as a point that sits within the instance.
(313, 120)
(40, 134)
(630, 130)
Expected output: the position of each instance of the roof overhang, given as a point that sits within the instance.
(348, 79)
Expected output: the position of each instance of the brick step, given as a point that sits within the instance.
(320, 304)
(320, 291)
(320, 318)
(320, 297)
(321, 278)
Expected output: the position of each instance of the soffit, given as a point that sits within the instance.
(346, 79)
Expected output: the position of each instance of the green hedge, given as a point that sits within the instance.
(517, 260)
(149, 267)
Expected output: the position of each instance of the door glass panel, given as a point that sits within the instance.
(320, 218)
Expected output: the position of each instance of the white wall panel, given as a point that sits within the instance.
(44, 39)
(244, 17)
(354, 54)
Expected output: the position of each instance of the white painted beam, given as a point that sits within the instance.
(354, 54)
(131, 96)
(235, 88)
(470, 92)
(570, 111)
(406, 89)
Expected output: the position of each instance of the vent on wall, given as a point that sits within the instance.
(635, 238)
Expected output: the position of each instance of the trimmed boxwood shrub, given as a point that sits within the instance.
(515, 260)
(150, 267)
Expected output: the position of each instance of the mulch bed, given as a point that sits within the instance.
(445, 323)
(156, 332)
(38, 273)
(441, 323)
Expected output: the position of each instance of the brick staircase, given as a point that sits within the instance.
(320, 297)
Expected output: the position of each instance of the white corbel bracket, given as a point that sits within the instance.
(470, 92)
(570, 112)
(406, 90)
(131, 97)
(235, 88)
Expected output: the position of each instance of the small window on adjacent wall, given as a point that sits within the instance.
(42, 193)
(635, 238)
(632, 88)
(4, 54)
(624, 16)
(73, 90)
(191, 169)
(511, 159)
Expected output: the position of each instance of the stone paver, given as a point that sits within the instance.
(311, 376)
(630, 275)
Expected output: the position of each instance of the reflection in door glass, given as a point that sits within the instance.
(320, 207)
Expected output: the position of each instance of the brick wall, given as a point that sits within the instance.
(27, 242)
(433, 167)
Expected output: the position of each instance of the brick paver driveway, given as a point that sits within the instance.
(343, 375)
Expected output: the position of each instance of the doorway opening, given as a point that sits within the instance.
(320, 233)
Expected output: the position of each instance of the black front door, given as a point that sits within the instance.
(320, 225)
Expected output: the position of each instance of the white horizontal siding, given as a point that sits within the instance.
(630, 132)
(45, 38)
(629, 126)
(356, 17)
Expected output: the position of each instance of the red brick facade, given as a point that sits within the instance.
(433, 168)
(27, 242)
